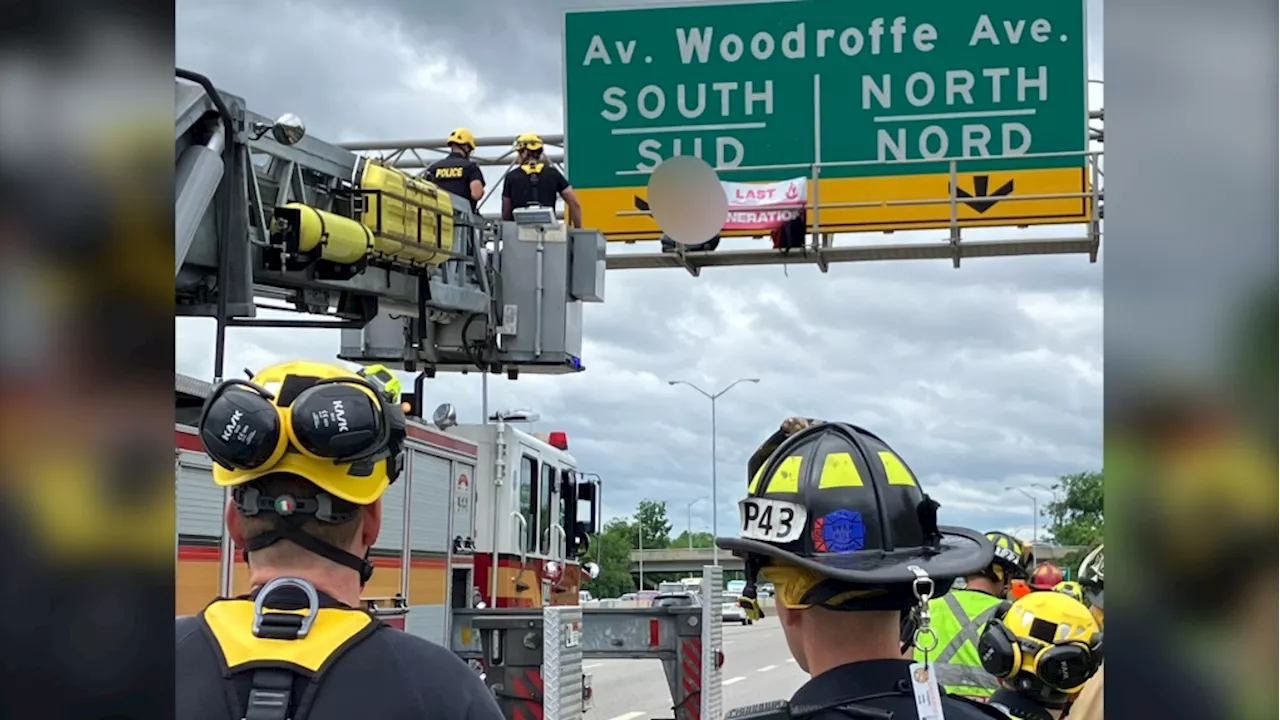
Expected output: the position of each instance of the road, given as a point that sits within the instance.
(757, 668)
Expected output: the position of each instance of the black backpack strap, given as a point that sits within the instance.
(270, 694)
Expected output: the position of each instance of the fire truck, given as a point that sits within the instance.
(484, 515)
(482, 531)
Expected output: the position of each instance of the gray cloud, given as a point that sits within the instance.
(982, 377)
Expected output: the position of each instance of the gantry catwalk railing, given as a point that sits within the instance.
(825, 246)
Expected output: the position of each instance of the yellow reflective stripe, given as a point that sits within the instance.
(838, 470)
(787, 477)
(897, 473)
(755, 481)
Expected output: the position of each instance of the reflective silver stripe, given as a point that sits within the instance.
(970, 629)
(953, 678)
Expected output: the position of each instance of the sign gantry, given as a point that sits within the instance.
(940, 116)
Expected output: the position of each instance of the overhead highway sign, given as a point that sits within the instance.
(878, 96)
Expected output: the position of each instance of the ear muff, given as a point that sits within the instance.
(1065, 667)
(241, 429)
(1001, 610)
(998, 648)
(338, 420)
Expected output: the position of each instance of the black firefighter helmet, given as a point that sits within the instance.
(836, 500)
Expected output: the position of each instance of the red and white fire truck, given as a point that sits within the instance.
(485, 513)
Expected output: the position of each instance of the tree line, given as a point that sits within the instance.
(1075, 517)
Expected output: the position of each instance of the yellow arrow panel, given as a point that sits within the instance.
(601, 206)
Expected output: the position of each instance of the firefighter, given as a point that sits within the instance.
(1088, 706)
(1045, 577)
(1071, 589)
(458, 173)
(534, 181)
(835, 520)
(959, 616)
(1044, 648)
(307, 451)
(1090, 574)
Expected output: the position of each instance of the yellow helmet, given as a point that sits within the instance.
(1071, 589)
(1008, 564)
(342, 431)
(528, 141)
(1046, 646)
(462, 136)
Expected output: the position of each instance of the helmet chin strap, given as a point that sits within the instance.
(287, 530)
(289, 521)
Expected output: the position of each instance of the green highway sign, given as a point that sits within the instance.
(753, 86)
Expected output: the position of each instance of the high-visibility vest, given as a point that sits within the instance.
(958, 618)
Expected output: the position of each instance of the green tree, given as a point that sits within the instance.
(700, 540)
(1076, 516)
(656, 528)
(611, 550)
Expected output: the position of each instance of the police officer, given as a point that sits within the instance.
(536, 182)
(959, 616)
(458, 173)
(1044, 648)
(838, 523)
(308, 451)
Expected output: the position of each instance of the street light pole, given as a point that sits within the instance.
(715, 496)
(640, 533)
(688, 512)
(1035, 514)
(1052, 490)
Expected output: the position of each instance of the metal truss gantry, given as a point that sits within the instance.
(824, 247)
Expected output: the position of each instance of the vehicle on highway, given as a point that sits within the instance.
(731, 611)
(628, 596)
(734, 588)
(644, 598)
(677, 599)
(766, 590)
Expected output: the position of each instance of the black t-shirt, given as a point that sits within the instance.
(519, 186)
(1018, 706)
(454, 174)
(389, 675)
(881, 684)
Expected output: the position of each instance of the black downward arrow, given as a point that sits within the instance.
(980, 185)
(641, 205)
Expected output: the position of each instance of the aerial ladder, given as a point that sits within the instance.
(416, 281)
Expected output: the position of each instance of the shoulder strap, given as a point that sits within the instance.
(270, 695)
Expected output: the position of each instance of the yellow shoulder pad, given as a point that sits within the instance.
(334, 630)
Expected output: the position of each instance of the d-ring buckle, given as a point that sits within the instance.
(313, 603)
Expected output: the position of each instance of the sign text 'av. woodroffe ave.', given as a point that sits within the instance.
(874, 91)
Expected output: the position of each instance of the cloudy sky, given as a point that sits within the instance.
(982, 378)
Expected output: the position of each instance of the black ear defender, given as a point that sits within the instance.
(998, 647)
(1063, 667)
(241, 430)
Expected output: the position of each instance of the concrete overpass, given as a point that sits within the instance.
(690, 562)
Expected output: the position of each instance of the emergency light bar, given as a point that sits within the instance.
(557, 439)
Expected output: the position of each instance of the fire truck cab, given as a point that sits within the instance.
(536, 511)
